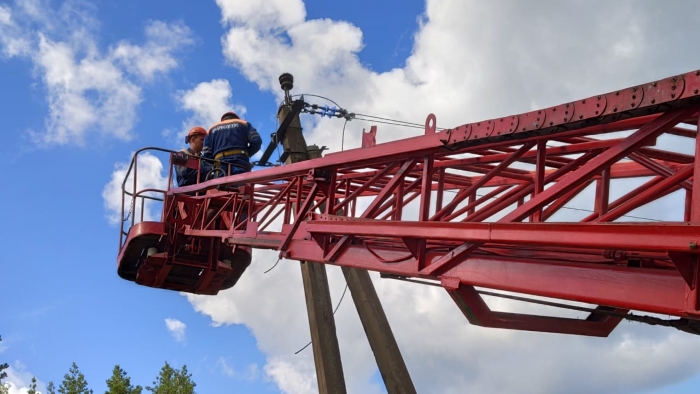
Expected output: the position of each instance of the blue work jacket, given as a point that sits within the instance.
(233, 142)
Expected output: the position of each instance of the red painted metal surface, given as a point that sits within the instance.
(484, 204)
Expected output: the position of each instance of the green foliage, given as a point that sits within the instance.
(3, 367)
(120, 383)
(74, 382)
(50, 389)
(32, 387)
(173, 381)
(3, 375)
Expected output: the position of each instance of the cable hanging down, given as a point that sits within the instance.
(334, 310)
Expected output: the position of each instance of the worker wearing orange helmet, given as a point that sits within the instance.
(188, 176)
(231, 143)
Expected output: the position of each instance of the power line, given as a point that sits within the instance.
(397, 122)
(577, 209)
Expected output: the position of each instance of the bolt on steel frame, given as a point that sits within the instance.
(480, 205)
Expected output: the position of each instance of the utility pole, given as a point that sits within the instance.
(329, 368)
(379, 334)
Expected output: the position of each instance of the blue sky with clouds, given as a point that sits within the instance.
(87, 83)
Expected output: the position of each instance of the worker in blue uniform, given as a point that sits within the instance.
(188, 176)
(231, 143)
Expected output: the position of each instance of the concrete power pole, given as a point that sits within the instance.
(318, 303)
(329, 368)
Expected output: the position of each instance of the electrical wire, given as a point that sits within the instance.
(334, 310)
(624, 216)
(315, 95)
(372, 118)
(278, 261)
(628, 316)
(397, 122)
(389, 123)
(581, 209)
(342, 140)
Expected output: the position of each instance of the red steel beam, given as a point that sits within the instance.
(648, 267)
(666, 237)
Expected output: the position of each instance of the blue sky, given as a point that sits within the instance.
(86, 84)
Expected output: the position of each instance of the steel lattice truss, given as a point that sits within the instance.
(480, 205)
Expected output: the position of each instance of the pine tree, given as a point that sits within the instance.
(173, 381)
(3, 375)
(120, 383)
(74, 382)
(3, 367)
(32, 387)
(50, 389)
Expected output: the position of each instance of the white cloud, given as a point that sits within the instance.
(250, 373)
(207, 102)
(157, 55)
(89, 91)
(288, 376)
(470, 61)
(19, 379)
(84, 94)
(177, 328)
(149, 175)
(268, 15)
(5, 15)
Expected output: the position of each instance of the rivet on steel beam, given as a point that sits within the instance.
(693, 245)
(653, 101)
(583, 101)
(673, 95)
(598, 97)
(697, 72)
(634, 89)
(617, 93)
(653, 84)
(554, 110)
(673, 87)
(632, 105)
(674, 79)
(695, 91)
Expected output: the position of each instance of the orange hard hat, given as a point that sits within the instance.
(229, 114)
(195, 131)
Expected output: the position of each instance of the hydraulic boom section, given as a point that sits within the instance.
(545, 203)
